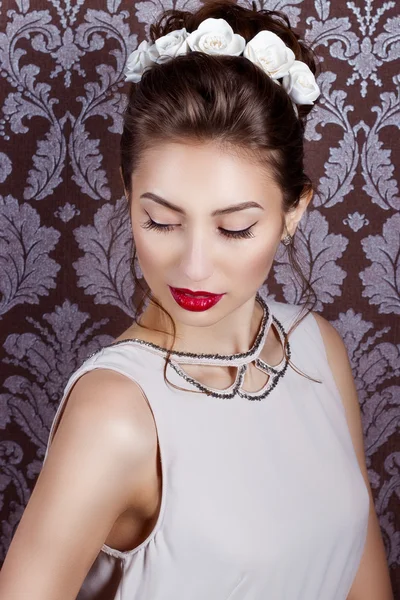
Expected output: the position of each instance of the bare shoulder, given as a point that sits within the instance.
(107, 424)
(96, 464)
(107, 412)
(106, 399)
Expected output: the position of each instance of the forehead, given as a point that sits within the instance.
(187, 173)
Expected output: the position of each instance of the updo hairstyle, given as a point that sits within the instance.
(198, 98)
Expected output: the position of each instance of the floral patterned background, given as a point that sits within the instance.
(65, 288)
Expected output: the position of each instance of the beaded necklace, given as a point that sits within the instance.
(239, 360)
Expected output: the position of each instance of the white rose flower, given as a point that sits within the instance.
(300, 84)
(215, 36)
(143, 57)
(267, 50)
(172, 44)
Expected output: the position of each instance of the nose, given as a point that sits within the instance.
(197, 259)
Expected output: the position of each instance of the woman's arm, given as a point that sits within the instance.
(372, 581)
(86, 482)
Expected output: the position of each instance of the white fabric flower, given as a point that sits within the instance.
(267, 50)
(172, 44)
(215, 36)
(300, 84)
(143, 57)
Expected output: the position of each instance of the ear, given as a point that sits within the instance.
(293, 217)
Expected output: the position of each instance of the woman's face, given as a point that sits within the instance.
(204, 220)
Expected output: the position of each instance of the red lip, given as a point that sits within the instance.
(192, 293)
(194, 301)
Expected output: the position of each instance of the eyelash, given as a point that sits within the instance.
(242, 234)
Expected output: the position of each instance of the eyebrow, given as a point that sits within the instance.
(220, 211)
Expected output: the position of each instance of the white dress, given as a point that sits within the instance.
(262, 495)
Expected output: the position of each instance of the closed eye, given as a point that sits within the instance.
(236, 234)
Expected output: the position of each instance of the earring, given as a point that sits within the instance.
(287, 240)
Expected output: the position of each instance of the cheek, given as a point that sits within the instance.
(152, 256)
(147, 255)
(253, 263)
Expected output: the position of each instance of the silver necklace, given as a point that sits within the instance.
(239, 360)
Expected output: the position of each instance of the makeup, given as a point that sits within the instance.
(194, 301)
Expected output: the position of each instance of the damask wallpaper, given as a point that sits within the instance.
(64, 272)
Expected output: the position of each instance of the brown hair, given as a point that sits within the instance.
(196, 97)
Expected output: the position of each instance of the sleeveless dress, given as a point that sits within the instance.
(262, 495)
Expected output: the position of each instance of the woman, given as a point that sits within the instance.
(215, 449)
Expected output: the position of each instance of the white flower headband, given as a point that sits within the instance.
(216, 36)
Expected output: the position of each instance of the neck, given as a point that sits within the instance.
(233, 334)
